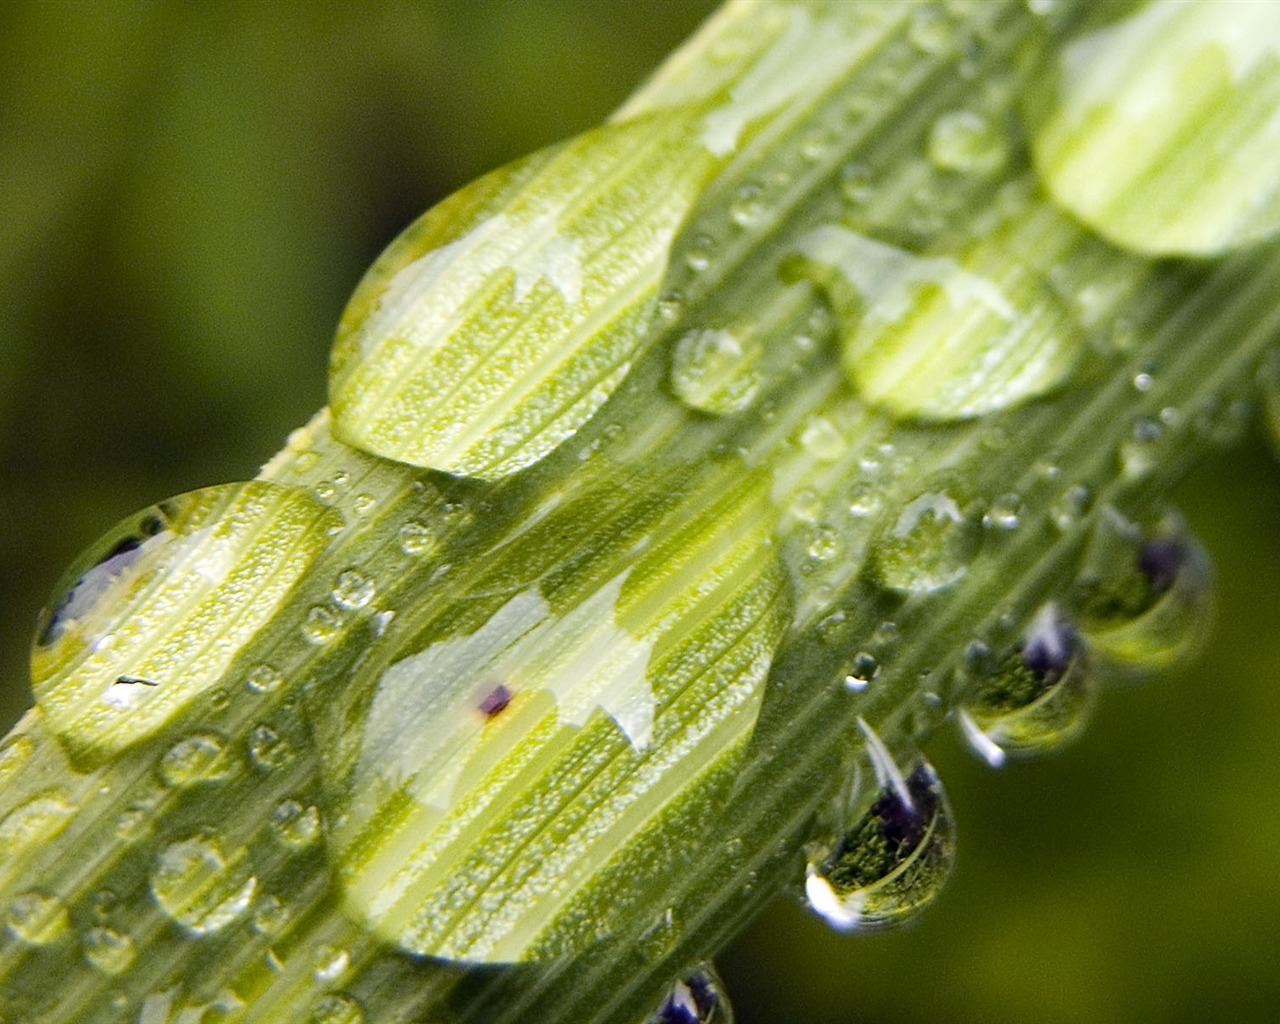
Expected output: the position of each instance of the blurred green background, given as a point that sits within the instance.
(189, 193)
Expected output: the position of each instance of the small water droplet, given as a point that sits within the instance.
(715, 371)
(270, 915)
(37, 918)
(200, 887)
(864, 501)
(329, 963)
(864, 669)
(336, 1009)
(353, 589)
(416, 539)
(296, 825)
(697, 998)
(670, 306)
(857, 185)
(200, 758)
(1005, 512)
(895, 858)
(363, 504)
(267, 748)
(263, 679)
(929, 547)
(931, 31)
(326, 491)
(824, 545)
(697, 256)
(806, 505)
(1143, 382)
(36, 821)
(1070, 507)
(747, 204)
(133, 824)
(321, 624)
(968, 142)
(108, 950)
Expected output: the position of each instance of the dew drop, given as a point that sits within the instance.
(821, 439)
(296, 825)
(200, 887)
(857, 185)
(35, 822)
(416, 539)
(1005, 512)
(15, 751)
(353, 589)
(363, 504)
(747, 204)
(698, 256)
(715, 371)
(894, 859)
(697, 998)
(670, 307)
(1070, 507)
(37, 918)
(806, 505)
(864, 669)
(270, 916)
(336, 1009)
(200, 758)
(321, 624)
(108, 950)
(329, 964)
(268, 750)
(928, 548)
(263, 679)
(824, 545)
(967, 142)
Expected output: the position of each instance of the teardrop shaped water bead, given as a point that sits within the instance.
(499, 322)
(894, 860)
(697, 998)
(1152, 606)
(1165, 132)
(942, 337)
(1032, 700)
(155, 612)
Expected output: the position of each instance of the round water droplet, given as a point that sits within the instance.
(865, 668)
(200, 758)
(928, 547)
(200, 887)
(821, 439)
(155, 612)
(747, 204)
(968, 142)
(108, 950)
(329, 964)
(321, 624)
(363, 504)
(1071, 506)
(806, 505)
(697, 256)
(697, 998)
(824, 545)
(1005, 512)
(267, 748)
(263, 679)
(353, 589)
(35, 822)
(296, 825)
(416, 539)
(37, 918)
(1034, 699)
(336, 1009)
(715, 371)
(894, 859)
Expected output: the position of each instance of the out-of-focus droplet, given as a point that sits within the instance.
(891, 862)
(336, 1009)
(37, 918)
(697, 998)
(296, 825)
(108, 950)
(200, 758)
(968, 142)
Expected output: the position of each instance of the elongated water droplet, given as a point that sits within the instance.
(155, 612)
(697, 998)
(895, 858)
(1033, 699)
(200, 887)
(715, 370)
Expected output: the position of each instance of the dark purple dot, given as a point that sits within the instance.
(495, 701)
(1160, 560)
(1050, 646)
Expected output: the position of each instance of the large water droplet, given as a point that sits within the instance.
(35, 822)
(1033, 699)
(716, 371)
(200, 887)
(895, 858)
(697, 998)
(353, 589)
(928, 547)
(37, 918)
(156, 611)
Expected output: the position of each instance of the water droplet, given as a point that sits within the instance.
(133, 824)
(336, 1009)
(1070, 507)
(329, 964)
(928, 547)
(200, 758)
(363, 504)
(296, 825)
(697, 256)
(270, 916)
(263, 679)
(321, 624)
(1140, 455)
(895, 858)
(152, 615)
(1034, 699)
(416, 539)
(200, 887)
(715, 371)
(37, 918)
(864, 501)
(747, 204)
(353, 589)
(35, 822)
(932, 31)
(857, 184)
(697, 998)
(968, 142)
(670, 307)
(824, 545)
(864, 669)
(1005, 512)
(821, 439)
(14, 753)
(108, 950)
(267, 748)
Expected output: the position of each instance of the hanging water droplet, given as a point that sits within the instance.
(1034, 699)
(929, 547)
(296, 825)
(200, 758)
(895, 858)
(697, 998)
(37, 918)
(267, 748)
(270, 915)
(353, 589)
(336, 1009)
(108, 950)
(200, 887)
(715, 371)
(155, 612)
(416, 539)
(968, 142)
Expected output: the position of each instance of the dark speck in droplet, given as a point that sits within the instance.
(1050, 645)
(495, 701)
(1160, 560)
